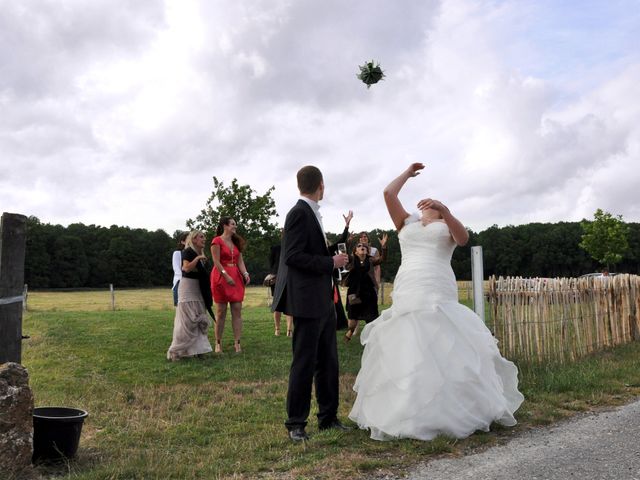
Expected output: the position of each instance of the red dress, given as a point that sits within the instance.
(222, 291)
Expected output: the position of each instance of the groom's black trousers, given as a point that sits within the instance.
(315, 357)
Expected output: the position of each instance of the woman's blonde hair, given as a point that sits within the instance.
(189, 243)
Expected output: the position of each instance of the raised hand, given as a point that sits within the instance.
(414, 169)
(384, 239)
(348, 217)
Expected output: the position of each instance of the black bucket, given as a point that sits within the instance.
(56, 433)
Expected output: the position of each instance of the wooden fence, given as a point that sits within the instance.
(562, 319)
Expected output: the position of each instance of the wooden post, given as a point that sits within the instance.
(13, 230)
(113, 297)
(25, 294)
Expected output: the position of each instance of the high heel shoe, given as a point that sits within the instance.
(289, 333)
(277, 333)
(237, 346)
(218, 347)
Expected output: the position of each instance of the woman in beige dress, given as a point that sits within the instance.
(192, 321)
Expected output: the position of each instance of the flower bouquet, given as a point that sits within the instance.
(370, 73)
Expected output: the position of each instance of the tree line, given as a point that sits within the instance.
(90, 256)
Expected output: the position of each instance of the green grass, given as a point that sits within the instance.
(222, 416)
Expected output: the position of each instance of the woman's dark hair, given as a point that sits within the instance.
(309, 179)
(181, 239)
(237, 240)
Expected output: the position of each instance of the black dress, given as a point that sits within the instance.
(361, 283)
(274, 260)
(341, 318)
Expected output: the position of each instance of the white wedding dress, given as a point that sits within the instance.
(430, 366)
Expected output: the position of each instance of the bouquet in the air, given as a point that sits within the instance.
(370, 73)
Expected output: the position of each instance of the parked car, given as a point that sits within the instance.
(597, 275)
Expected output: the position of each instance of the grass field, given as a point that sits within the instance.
(148, 299)
(222, 416)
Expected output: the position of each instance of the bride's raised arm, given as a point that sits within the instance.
(396, 210)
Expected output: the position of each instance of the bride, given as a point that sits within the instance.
(430, 366)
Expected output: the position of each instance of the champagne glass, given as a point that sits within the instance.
(342, 249)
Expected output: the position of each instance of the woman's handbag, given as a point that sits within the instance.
(269, 280)
(354, 299)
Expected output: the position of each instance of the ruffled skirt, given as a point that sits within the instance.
(433, 371)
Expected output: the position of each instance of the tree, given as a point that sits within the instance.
(254, 215)
(69, 266)
(605, 238)
(37, 262)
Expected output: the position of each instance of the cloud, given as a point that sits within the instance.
(121, 112)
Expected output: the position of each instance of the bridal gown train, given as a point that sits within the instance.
(430, 366)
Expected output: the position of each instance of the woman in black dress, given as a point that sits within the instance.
(362, 298)
(341, 318)
(274, 261)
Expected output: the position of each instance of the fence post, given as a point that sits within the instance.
(25, 295)
(113, 297)
(477, 275)
(13, 230)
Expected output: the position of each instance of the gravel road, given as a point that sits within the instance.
(602, 446)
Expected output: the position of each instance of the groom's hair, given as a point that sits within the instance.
(309, 179)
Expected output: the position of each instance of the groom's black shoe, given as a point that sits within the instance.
(335, 423)
(298, 434)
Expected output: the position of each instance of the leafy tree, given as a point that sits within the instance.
(37, 262)
(93, 256)
(631, 262)
(59, 256)
(605, 238)
(69, 266)
(461, 259)
(253, 213)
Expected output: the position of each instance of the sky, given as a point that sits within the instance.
(121, 112)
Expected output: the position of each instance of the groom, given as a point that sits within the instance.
(304, 290)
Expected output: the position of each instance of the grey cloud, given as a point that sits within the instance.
(271, 87)
(44, 44)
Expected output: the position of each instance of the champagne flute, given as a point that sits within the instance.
(342, 249)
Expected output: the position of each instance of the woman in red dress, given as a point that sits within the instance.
(228, 278)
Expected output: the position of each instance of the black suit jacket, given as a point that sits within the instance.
(303, 287)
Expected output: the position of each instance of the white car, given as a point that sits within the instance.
(597, 275)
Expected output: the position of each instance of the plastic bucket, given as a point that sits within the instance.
(56, 432)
